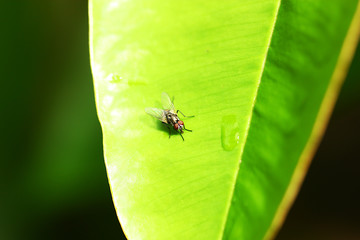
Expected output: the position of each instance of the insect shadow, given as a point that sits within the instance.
(160, 126)
(165, 128)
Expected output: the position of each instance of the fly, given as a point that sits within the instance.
(168, 115)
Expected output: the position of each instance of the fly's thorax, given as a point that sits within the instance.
(171, 118)
(167, 114)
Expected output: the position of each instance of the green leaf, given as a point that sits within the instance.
(261, 78)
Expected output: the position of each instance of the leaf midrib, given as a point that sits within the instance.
(249, 121)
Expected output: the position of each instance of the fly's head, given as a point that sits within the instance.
(179, 126)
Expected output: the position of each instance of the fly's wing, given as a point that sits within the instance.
(156, 113)
(167, 103)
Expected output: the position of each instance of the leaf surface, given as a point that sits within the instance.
(254, 74)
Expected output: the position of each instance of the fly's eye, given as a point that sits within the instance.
(180, 122)
(176, 126)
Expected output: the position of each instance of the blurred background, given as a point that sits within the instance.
(53, 182)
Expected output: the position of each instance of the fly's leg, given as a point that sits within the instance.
(187, 129)
(183, 114)
(168, 128)
(182, 136)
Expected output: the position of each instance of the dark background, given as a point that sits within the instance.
(53, 182)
